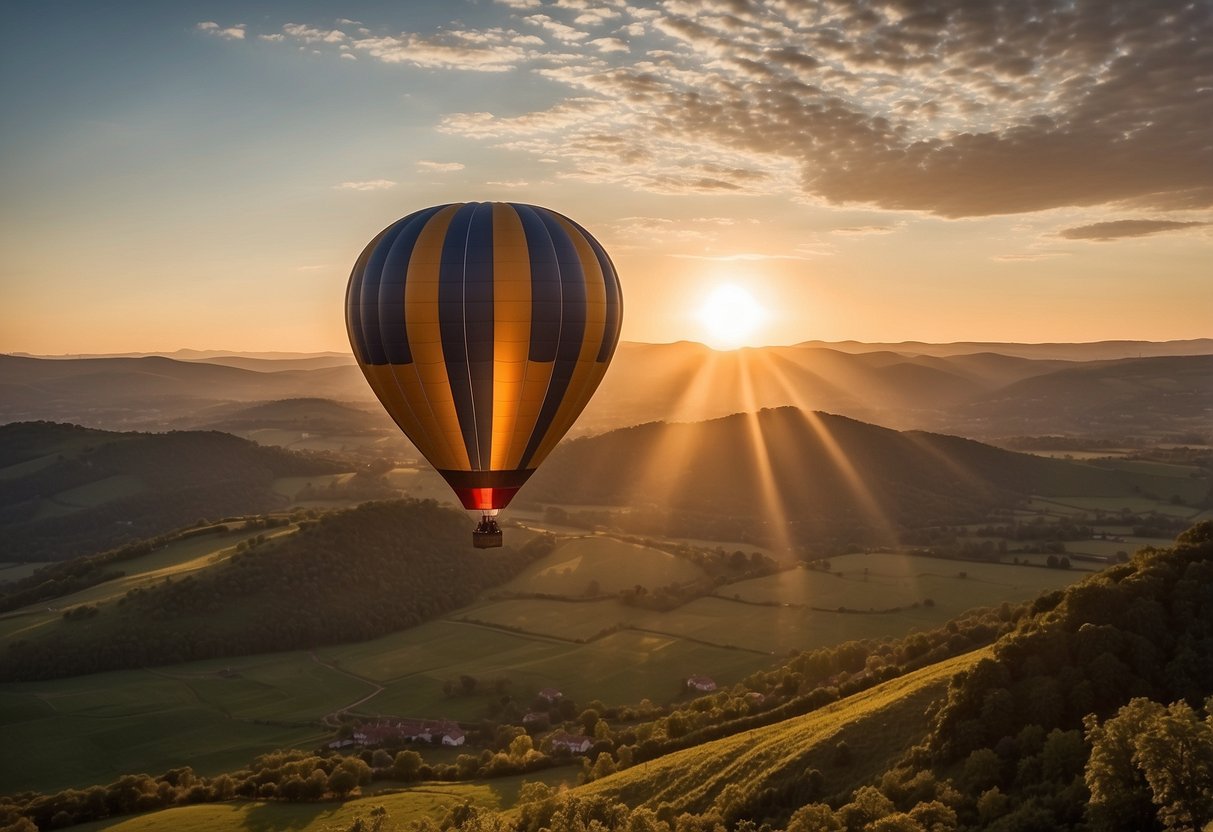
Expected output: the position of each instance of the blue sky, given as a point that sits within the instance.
(203, 174)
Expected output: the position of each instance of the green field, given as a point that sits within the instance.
(612, 564)
(91, 729)
(798, 609)
(17, 571)
(431, 800)
(173, 559)
(89, 495)
(621, 668)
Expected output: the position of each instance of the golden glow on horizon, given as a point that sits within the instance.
(730, 315)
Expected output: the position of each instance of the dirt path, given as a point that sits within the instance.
(330, 720)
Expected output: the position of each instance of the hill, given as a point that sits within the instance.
(67, 491)
(1088, 351)
(827, 479)
(1110, 398)
(350, 576)
(968, 389)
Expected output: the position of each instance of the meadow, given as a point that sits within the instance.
(430, 800)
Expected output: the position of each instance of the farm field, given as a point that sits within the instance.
(611, 564)
(620, 668)
(775, 614)
(91, 729)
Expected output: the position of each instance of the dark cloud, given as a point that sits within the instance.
(1119, 229)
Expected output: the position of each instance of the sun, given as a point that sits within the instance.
(730, 315)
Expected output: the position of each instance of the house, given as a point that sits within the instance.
(575, 743)
(701, 683)
(411, 730)
(551, 695)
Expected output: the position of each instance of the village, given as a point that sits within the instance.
(390, 731)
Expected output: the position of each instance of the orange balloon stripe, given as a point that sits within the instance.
(431, 392)
(511, 331)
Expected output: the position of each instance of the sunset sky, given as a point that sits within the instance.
(204, 174)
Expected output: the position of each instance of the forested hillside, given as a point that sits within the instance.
(834, 479)
(348, 576)
(68, 491)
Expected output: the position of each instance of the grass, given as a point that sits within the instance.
(17, 571)
(612, 564)
(878, 725)
(623, 667)
(430, 800)
(102, 734)
(91, 729)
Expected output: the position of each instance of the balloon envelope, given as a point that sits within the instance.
(484, 329)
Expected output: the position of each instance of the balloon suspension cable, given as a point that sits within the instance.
(488, 523)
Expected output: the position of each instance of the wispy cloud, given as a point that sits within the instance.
(1120, 229)
(950, 109)
(745, 256)
(227, 33)
(1029, 257)
(366, 185)
(439, 167)
(864, 230)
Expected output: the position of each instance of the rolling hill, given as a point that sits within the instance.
(830, 478)
(67, 491)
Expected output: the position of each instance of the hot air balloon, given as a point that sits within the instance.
(484, 329)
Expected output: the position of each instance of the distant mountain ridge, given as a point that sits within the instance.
(827, 479)
(1081, 351)
(979, 394)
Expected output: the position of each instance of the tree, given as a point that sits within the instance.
(1176, 756)
(406, 765)
(815, 817)
(342, 781)
(1120, 795)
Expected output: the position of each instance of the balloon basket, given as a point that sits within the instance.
(486, 540)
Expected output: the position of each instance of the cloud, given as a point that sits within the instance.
(558, 30)
(366, 185)
(510, 183)
(1029, 257)
(439, 167)
(609, 45)
(956, 109)
(864, 230)
(229, 33)
(748, 256)
(1119, 229)
(486, 50)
